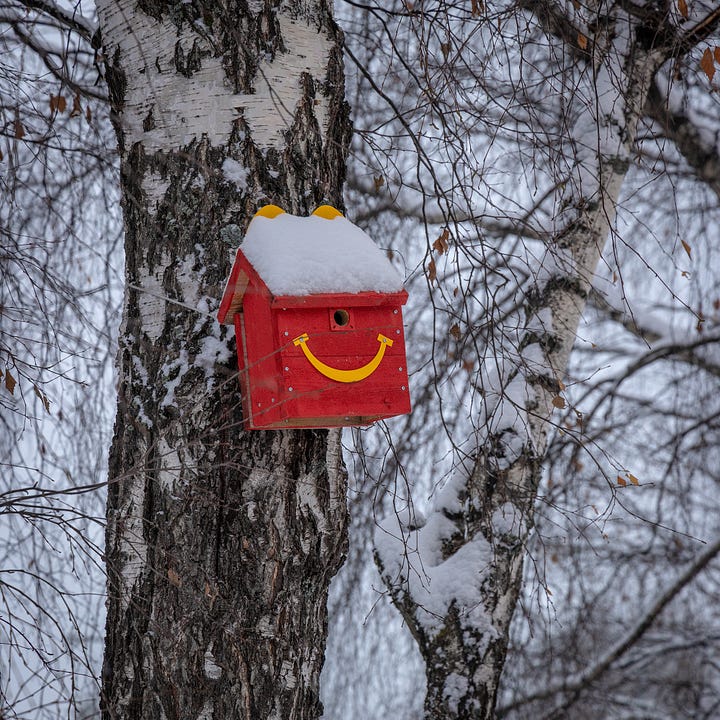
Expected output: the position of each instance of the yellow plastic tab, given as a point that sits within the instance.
(269, 211)
(344, 376)
(328, 212)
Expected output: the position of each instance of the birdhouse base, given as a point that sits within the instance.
(322, 423)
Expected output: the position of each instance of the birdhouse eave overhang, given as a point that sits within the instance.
(369, 298)
(245, 279)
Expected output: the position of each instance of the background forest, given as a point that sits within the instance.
(546, 178)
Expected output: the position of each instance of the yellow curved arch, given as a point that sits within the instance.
(328, 212)
(269, 211)
(344, 376)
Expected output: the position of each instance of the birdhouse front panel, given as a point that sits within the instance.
(313, 358)
(343, 364)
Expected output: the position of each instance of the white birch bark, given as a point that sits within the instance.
(220, 544)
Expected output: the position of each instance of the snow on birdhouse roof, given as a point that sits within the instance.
(317, 254)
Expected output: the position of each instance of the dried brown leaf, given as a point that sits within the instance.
(716, 53)
(621, 481)
(686, 248)
(10, 382)
(43, 397)
(707, 64)
(683, 8)
(76, 109)
(58, 103)
(431, 271)
(559, 402)
(455, 331)
(633, 479)
(582, 41)
(441, 244)
(19, 130)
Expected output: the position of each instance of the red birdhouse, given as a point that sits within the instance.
(317, 309)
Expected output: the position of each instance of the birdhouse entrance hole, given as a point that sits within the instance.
(341, 317)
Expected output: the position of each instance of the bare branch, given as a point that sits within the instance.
(583, 680)
(679, 128)
(72, 21)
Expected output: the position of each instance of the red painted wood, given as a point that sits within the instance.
(280, 386)
(322, 300)
(237, 286)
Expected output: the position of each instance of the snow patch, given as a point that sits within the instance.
(509, 412)
(507, 520)
(172, 374)
(213, 351)
(236, 173)
(304, 255)
(212, 669)
(456, 688)
(434, 583)
(140, 413)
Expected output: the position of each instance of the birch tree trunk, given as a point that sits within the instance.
(220, 544)
(456, 575)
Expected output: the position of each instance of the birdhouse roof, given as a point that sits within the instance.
(308, 255)
(308, 262)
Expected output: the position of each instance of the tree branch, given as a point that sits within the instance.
(554, 21)
(697, 34)
(72, 21)
(48, 55)
(676, 126)
(580, 681)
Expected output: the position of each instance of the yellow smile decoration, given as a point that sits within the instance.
(344, 376)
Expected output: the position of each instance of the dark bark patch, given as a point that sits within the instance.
(149, 121)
